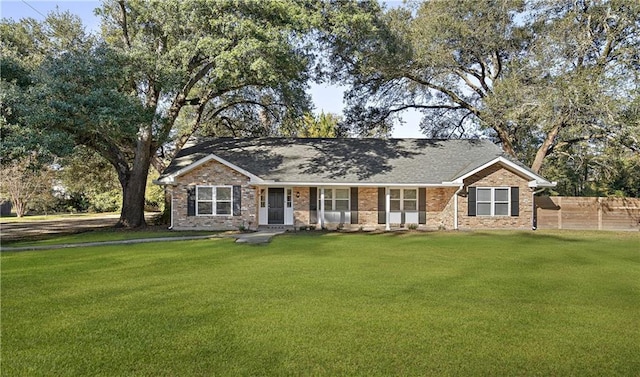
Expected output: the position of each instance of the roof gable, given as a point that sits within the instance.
(169, 178)
(535, 179)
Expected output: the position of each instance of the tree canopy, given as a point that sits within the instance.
(539, 77)
(162, 71)
(555, 83)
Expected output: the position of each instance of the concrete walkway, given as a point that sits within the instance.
(260, 237)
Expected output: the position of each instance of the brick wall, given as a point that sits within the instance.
(440, 207)
(497, 176)
(301, 206)
(214, 173)
(367, 206)
(440, 202)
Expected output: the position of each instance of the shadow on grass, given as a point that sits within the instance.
(513, 235)
(526, 235)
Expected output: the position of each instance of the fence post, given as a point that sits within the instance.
(599, 213)
(559, 212)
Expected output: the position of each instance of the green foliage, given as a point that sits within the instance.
(108, 201)
(154, 194)
(491, 303)
(243, 66)
(538, 77)
(24, 46)
(158, 73)
(319, 126)
(89, 182)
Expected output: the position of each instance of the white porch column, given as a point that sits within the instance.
(321, 217)
(387, 205)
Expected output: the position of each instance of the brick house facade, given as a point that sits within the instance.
(214, 193)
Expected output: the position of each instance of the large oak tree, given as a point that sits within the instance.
(537, 76)
(162, 71)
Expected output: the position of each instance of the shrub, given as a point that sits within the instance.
(108, 201)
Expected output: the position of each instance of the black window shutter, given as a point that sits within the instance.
(515, 201)
(237, 201)
(191, 201)
(382, 215)
(313, 205)
(354, 205)
(472, 201)
(422, 205)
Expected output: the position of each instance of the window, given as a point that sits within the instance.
(492, 201)
(410, 200)
(395, 199)
(213, 200)
(403, 199)
(341, 202)
(336, 199)
(289, 198)
(263, 198)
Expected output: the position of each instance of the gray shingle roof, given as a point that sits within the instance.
(386, 161)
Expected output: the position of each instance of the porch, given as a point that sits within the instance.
(354, 207)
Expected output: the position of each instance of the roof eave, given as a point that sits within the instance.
(351, 184)
(542, 184)
(508, 163)
(171, 178)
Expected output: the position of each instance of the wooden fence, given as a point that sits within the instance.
(567, 212)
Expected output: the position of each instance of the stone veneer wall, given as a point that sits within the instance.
(214, 173)
(497, 176)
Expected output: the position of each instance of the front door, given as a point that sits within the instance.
(276, 206)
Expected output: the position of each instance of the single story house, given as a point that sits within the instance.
(227, 183)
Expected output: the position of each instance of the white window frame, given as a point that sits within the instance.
(213, 200)
(263, 197)
(333, 199)
(402, 199)
(493, 201)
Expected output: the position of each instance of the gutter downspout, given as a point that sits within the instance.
(455, 207)
(534, 219)
(171, 209)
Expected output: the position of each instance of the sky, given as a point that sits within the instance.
(327, 98)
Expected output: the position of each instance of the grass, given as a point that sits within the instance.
(14, 219)
(495, 303)
(110, 234)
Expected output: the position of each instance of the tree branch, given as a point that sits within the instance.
(498, 65)
(416, 106)
(125, 29)
(453, 96)
(471, 85)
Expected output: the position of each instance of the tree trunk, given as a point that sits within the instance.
(544, 148)
(132, 214)
(503, 135)
(135, 182)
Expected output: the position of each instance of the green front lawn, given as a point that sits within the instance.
(56, 216)
(103, 235)
(495, 304)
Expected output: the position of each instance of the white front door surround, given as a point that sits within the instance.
(264, 206)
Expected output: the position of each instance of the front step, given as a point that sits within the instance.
(275, 227)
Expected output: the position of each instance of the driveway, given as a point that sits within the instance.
(30, 229)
